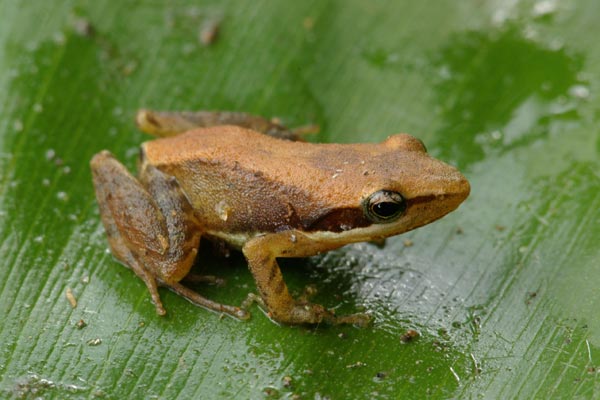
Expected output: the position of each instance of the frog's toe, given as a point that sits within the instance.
(308, 293)
(242, 314)
(160, 310)
(359, 320)
(308, 313)
(210, 279)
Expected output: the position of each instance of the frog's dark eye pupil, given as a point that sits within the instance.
(384, 206)
(385, 209)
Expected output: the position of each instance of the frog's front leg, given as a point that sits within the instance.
(262, 252)
(150, 227)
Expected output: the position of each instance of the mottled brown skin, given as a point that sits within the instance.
(266, 196)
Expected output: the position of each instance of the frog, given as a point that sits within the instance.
(260, 188)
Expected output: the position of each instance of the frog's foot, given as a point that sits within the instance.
(302, 131)
(304, 312)
(316, 312)
(300, 313)
(359, 320)
(308, 293)
(210, 279)
(171, 123)
(201, 301)
(309, 313)
(251, 299)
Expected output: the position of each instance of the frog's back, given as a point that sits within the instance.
(235, 178)
(227, 147)
(215, 144)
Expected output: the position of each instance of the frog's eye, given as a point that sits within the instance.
(384, 206)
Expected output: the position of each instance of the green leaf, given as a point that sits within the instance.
(503, 292)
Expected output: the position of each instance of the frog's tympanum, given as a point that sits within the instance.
(246, 181)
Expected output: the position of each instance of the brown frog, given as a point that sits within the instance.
(216, 176)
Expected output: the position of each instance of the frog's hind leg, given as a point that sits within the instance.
(115, 187)
(151, 228)
(166, 123)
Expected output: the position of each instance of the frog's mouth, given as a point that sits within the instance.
(424, 210)
(339, 220)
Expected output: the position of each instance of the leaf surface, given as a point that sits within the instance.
(503, 292)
